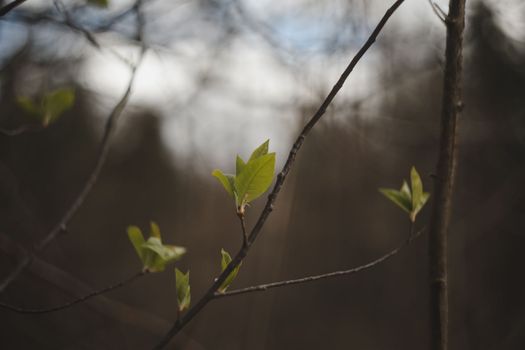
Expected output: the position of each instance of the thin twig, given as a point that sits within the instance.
(210, 293)
(5, 9)
(69, 304)
(21, 129)
(88, 185)
(445, 173)
(265, 287)
(438, 11)
(244, 232)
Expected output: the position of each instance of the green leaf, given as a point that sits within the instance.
(227, 181)
(100, 3)
(56, 102)
(398, 197)
(28, 106)
(225, 261)
(417, 187)
(164, 254)
(154, 229)
(421, 204)
(260, 151)
(406, 190)
(239, 165)
(255, 178)
(182, 283)
(137, 239)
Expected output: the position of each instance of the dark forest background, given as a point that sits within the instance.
(329, 217)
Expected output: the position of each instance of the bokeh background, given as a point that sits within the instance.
(219, 78)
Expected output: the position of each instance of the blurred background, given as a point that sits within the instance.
(220, 77)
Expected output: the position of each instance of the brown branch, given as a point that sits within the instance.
(88, 185)
(265, 287)
(243, 227)
(7, 8)
(210, 293)
(74, 302)
(444, 180)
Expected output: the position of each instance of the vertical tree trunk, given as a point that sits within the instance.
(443, 187)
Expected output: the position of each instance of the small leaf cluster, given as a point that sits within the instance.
(50, 107)
(251, 179)
(225, 261)
(153, 253)
(182, 284)
(410, 199)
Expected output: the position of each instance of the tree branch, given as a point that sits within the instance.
(445, 173)
(210, 293)
(69, 304)
(265, 287)
(7, 8)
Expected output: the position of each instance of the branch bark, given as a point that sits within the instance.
(74, 302)
(210, 293)
(12, 5)
(364, 267)
(445, 173)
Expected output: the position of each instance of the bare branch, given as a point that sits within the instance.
(210, 294)
(445, 174)
(7, 8)
(69, 304)
(265, 287)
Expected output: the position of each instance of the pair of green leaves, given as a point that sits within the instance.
(225, 261)
(251, 178)
(50, 107)
(409, 199)
(153, 254)
(182, 283)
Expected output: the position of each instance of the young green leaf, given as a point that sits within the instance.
(239, 165)
(406, 190)
(227, 181)
(400, 198)
(154, 230)
(137, 239)
(153, 254)
(51, 106)
(417, 187)
(260, 151)
(28, 106)
(56, 102)
(182, 282)
(225, 261)
(255, 178)
(410, 200)
(164, 254)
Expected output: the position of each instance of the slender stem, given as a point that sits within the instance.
(244, 232)
(69, 304)
(364, 267)
(5, 9)
(444, 180)
(210, 293)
